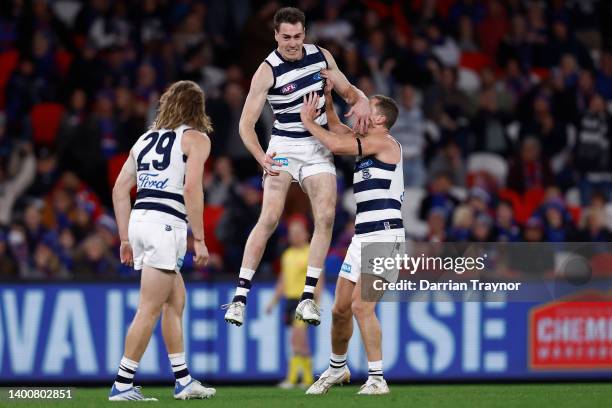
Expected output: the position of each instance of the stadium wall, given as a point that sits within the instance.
(74, 332)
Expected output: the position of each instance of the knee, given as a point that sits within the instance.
(150, 311)
(173, 308)
(341, 314)
(325, 218)
(268, 222)
(358, 309)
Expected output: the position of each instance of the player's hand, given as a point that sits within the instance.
(361, 111)
(125, 253)
(268, 163)
(309, 109)
(201, 253)
(329, 84)
(270, 307)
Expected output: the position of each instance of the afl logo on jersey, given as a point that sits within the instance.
(287, 89)
(317, 76)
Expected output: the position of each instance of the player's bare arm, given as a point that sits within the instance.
(334, 123)
(123, 207)
(360, 107)
(196, 147)
(337, 143)
(255, 100)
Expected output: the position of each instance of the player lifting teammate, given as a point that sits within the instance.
(287, 74)
(166, 165)
(378, 185)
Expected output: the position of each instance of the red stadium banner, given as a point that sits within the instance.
(574, 334)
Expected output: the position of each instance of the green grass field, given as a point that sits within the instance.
(418, 396)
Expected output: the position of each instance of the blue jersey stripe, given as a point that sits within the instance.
(307, 59)
(160, 207)
(293, 117)
(379, 204)
(372, 184)
(298, 84)
(388, 224)
(279, 106)
(286, 133)
(150, 193)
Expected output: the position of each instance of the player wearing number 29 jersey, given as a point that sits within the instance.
(165, 165)
(160, 177)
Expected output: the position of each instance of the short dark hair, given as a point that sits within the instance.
(388, 108)
(289, 15)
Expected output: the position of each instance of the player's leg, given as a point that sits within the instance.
(341, 332)
(172, 331)
(275, 193)
(321, 190)
(369, 327)
(155, 287)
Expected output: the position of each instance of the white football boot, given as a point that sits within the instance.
(193, 390)
(308, 311)
(131, 394)
(374, 386)
(326, 380)
(235, 313)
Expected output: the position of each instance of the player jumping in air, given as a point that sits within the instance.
(287, 74)
(378, 185)
(166, 166)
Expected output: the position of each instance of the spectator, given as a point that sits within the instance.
(220, 188)
(463, 220)
(604, 76)
(409, 131)
(529, 170)
(93, 259)
(8, 266)
(594, 228)
(449, 161)
(506, 228)
(593, 151)
(438, 196)
(12, 186)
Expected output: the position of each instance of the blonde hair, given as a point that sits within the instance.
(182, 103)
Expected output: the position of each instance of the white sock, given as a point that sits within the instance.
(125, 375)
(375, 370)
(312, 278)
(337, 362)
(179, 368)
(244, 285)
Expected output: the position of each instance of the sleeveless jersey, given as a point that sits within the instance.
(379, 191)
(293, 80)
(160, 177)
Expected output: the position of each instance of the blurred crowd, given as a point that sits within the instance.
(505, 118)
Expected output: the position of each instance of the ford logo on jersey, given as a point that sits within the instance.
(365, 164)
(288, 88)
(149, 180)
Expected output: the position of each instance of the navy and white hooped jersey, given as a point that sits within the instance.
(293, 80)
(379, 191)
(160, 176)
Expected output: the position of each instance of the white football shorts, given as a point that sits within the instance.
(157, 245)
(351, 267)
(301, 160)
